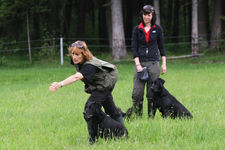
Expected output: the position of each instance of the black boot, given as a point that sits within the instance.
(136, 108)
(151, 109)
(139, 110)
(129, 112)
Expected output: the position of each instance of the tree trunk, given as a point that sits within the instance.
(185, 17)
(109, 22)
(36, 27)
(157, 11)
(81, 18)
(189, 11)
(118, 38)
(102, 23)
(194, 27)
(176, 20)
(67, 13)
(128, 20)
(55, 7)
(203, 23)
(216, 26)
(28, 38)
(92, 8)
(169, 17)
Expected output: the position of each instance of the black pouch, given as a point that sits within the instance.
(143, 75)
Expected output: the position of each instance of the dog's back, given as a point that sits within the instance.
(175, 108)
(109, 127)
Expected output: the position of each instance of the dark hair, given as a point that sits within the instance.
(147, 9)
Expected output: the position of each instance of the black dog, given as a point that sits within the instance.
(103, 125)
(167, 104)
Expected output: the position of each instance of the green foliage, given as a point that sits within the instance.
(34, 118)
(60, 18)
(49, 48)
(181, 48)
(3, 60)
(222, 17)
(13, 17)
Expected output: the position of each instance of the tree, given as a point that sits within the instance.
(176, 20)
(216, 26)
(81, 9)
(28, 37)
(194, 27)
(55, 9)
(102, 23)
(91, 19)
(118, 38)
(157, 11)
(203, 22)
(169, 17)
(185, 12)
(67, 13)
(128, 19)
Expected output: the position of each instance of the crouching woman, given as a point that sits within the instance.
(99, 78)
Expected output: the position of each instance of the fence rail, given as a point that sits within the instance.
(10, 44)
(93, 43)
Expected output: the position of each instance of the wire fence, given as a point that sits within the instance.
(98, 44)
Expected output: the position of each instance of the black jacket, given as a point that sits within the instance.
(148, 51)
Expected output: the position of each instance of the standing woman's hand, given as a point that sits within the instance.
(54, 86)
(139, 68)
(163, 68)
(138, 64)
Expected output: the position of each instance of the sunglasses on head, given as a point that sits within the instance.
(78, 45)
(148, 9)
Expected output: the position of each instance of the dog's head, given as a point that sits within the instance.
(157, 85)
(91, 110)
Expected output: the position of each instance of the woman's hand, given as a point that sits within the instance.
(138, 64)
(54, 86)
(139, 68)
(163, 68)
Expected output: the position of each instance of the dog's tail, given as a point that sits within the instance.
(190, 116)
(186, 115)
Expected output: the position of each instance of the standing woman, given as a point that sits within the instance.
(147, 43)
(99, 78)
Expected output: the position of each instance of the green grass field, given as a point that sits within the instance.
(33, 118)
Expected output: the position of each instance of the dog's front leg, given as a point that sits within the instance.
(166, 113)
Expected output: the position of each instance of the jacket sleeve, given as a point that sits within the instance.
(134, 42)
(160, 41)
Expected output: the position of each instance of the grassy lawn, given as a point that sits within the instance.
(33, 118)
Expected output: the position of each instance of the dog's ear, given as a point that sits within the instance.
(155, 79)
(89, 108)
(161, 81)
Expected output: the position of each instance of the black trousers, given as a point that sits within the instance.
(105, 99)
